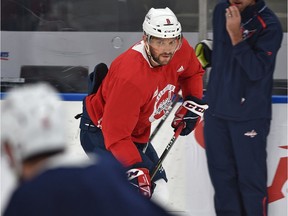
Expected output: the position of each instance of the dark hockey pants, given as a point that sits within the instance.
(236, 154)
(92, 141)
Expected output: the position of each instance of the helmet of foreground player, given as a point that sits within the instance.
(32, 121)
(161, 23)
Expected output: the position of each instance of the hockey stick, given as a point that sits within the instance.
(167, 149)
(155, 131)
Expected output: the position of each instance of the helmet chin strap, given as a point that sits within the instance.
(150, 57)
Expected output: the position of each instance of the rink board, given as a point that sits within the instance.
(189, 184)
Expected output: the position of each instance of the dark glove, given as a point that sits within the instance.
(189, 113)
(96, 77)
(203, 51)
(140, 179)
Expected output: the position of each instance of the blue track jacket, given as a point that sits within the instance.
(241, 79)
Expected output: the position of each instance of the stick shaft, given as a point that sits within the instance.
(166, 151)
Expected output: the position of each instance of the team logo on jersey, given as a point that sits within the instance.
(155, 93)
(163, 102)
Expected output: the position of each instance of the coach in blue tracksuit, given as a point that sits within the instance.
(246, 38)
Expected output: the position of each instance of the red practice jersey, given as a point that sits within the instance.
(134, 94)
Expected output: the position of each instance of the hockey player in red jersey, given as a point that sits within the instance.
(137, 90)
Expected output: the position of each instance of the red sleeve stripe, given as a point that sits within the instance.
(262, 22)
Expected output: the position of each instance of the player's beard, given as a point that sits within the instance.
(161, 59)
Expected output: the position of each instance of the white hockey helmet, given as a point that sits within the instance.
(161, 23)
(32, 121)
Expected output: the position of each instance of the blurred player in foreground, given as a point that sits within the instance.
(52, 182)
(137, 90)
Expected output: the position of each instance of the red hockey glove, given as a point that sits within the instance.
(140, 178)
(189, 113)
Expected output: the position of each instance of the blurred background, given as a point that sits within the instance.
(60, 41)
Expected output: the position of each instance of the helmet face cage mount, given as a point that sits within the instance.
(161, 23)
